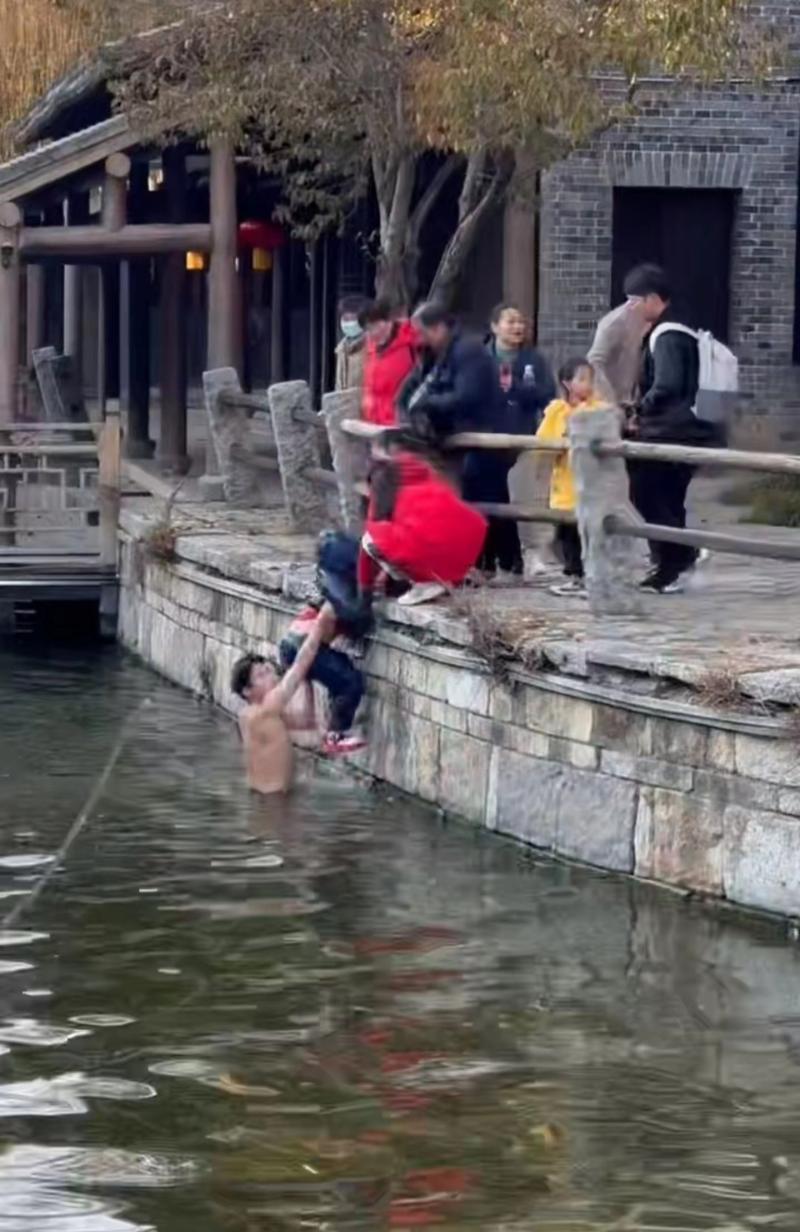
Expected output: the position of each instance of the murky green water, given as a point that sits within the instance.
(349, 1016)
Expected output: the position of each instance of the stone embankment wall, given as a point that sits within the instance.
(606, 775)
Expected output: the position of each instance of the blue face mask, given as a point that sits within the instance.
(351, 329)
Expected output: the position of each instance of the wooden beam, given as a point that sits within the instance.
(737, 545)
(148, 239)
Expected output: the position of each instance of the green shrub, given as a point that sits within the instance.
(775, 501)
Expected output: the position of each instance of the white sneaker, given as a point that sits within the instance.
(574, 586)
(422, 592)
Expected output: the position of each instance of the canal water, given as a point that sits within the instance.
(348, 1015)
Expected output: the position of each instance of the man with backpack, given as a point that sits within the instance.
(669, 410)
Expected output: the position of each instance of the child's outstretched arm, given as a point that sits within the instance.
(323, 628)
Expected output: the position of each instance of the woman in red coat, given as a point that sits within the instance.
(418, 529)
(391, 356)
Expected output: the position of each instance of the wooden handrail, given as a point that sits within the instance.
(695, 455)
(737, 545)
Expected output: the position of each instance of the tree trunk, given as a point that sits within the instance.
(478, 201)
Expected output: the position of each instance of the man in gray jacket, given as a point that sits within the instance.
(616, 353)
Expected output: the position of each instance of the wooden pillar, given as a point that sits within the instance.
(172, 446)
(277, 365)
(34, 311)
(114, 217)
(135, 330)
(76, 213)
(10, 280)
(224, 317)
(314, 321)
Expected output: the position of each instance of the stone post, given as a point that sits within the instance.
(298, 451)
(246, 486)
(350, 455)
(610, 561)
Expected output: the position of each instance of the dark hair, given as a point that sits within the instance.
(648, 280)
(569, 370)
(242, 671)
(500, 309)
(352, 305)
(374, 311)
(431, 314)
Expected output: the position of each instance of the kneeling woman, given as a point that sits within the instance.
(418, 529)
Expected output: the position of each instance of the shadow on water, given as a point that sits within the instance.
(342, 1014)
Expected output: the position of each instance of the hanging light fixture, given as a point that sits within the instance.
(196, 261)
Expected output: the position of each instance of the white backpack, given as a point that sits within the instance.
(719, 373)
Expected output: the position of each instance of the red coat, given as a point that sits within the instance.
(432, 536)
(385, 371)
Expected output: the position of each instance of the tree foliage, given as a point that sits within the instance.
(327, 93)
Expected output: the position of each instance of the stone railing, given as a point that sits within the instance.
(609, 526)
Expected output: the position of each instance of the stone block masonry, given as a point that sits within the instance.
(563, 764)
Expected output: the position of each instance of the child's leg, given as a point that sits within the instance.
(345, 685)
(569, 542)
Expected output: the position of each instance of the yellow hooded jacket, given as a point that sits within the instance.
(554, 428)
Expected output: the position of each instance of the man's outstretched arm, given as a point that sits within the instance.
(324, 626)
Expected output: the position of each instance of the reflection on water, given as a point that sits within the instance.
(342, 1015)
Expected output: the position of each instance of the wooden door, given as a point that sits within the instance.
(689, 233)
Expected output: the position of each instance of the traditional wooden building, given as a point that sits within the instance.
(145, 266)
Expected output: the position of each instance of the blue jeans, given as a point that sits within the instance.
(337, 673)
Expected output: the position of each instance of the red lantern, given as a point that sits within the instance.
(264, 235)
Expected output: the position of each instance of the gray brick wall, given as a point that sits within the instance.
(737, 137)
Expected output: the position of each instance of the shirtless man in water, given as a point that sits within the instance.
(268, 747)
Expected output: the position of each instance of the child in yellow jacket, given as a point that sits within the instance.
(576, 382)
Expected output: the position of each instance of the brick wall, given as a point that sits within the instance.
(734, 137)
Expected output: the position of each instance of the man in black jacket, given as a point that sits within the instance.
(456, 389)
(669, 380)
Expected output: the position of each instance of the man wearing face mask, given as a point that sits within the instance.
(351, 351)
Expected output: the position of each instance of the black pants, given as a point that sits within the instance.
(485, 479)
(568, 547)
(337, 673)
(658, 492)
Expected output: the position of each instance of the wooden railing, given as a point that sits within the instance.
(59, 490)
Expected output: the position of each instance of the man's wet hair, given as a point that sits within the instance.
(243, 670)
(648, 280)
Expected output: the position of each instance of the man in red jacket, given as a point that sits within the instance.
(390, 359)
(418, 529)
